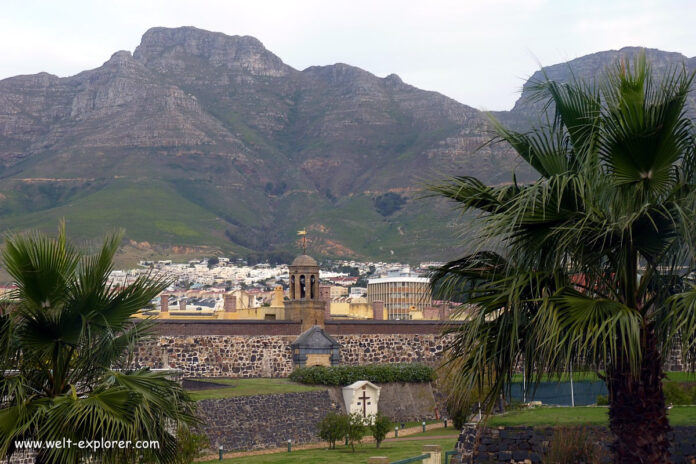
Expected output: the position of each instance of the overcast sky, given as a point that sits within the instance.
(478, 52)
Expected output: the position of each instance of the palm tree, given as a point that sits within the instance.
(588, 266)
(65, 366)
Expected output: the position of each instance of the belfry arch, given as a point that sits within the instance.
(304, 305)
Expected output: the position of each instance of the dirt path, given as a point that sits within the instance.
(429, 437)
(402, 437)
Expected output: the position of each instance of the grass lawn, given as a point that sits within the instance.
(247, 387)
(408, 425)
(681, 376)
(344, 455)
(578, 376)
(678, 415)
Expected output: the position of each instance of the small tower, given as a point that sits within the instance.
(304, 305)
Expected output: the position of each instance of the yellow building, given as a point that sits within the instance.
(231, 305)
(347, 308)
(337, 291)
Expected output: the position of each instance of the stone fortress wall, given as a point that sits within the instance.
(262, 348)
(239, 348)
(234, 348)
(268, 421)
(264, 421)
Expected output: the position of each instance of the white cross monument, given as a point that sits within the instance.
(361, 397)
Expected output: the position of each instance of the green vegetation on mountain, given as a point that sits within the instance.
(202, 139)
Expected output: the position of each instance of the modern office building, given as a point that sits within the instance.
(403, 296)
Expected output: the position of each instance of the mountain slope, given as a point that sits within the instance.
(199, 138)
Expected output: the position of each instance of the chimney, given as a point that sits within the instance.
(378, 310)
(278, 295)
(182, 304)
(164, 303)
(325, 292)
(229, 303)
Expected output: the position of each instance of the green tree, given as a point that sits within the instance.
(213, 261)
(389, 203)
(380, 426)
(356, 429)
(587, 266)
(190, 445)
(333, 427)
(67, 341)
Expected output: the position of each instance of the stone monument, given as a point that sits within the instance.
(362, 397)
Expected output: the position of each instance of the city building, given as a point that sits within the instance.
(404, 297)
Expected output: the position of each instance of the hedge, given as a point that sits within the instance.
(377, 373)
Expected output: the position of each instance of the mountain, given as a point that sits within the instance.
(199, 139)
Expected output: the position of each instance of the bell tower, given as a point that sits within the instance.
(304, 305)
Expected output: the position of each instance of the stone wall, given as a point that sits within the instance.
(238, 348)
(271, 356)
(408, 402)
(505, 445)
(392, 348)
(401, 402)
(219, 355)
(264, 421)
(22, 457)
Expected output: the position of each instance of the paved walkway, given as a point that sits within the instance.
(403, 434)
(429, 437)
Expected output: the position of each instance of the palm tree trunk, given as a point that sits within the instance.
(637, 412)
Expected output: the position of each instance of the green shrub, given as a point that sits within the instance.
(679, 393)
(377, 373)
(381, 425)
(675, 393)
(333, 427)
(189, 445)
(458, 412)
(572, 445)
(389, 203)
(356, 429)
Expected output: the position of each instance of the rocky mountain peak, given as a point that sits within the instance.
(200, 138)
(341, 74)
(165, 48)
(587, 68)
(121, 55)
(122, 59)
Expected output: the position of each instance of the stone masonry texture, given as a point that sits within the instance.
(264, 421)
(505, 445)
(271, 356)
(262, 348)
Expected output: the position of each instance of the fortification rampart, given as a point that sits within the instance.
(262, 348)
